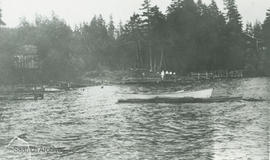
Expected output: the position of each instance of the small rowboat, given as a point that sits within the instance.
(203, 94)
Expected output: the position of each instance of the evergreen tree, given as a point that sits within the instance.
(235, 42)
(1, 21)
(253, 55)
(249, 29)
(146, 29)
(119, 30)
(210, 37)
(266, 30)
(201, 7)
(257, 30)
(183, 32)
(133, 34)
(175, 4)
(233, 16)
(266, 40)
(158, 37)
(111, 28)
(146, 6)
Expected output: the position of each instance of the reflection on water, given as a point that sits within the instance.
(89, 124)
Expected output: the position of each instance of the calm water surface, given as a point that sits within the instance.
(89, 124)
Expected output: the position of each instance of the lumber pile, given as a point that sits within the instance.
(189, 100)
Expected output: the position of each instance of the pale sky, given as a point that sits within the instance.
(77, 11)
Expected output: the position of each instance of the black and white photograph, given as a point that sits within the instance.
(134, 79)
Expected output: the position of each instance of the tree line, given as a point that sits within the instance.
(190, 37)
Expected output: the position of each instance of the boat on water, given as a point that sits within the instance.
(51, 89)
(203, 94)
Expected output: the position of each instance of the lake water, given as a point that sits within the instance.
(89, 124)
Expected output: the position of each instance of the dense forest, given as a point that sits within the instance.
(190, 37)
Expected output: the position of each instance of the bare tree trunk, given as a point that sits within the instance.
(161, 59)
(150, 56)
(138, 55)
(155, 65)
(139, 58)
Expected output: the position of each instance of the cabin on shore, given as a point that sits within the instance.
(26, 64)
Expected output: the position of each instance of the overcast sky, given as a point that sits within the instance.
(76, 11)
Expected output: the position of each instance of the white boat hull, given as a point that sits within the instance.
(206, 93)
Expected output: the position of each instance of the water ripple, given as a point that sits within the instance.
(89, 124)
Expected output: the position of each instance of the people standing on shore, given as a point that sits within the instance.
(162, 74)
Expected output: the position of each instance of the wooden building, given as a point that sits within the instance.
(26, 63)
(26, 58)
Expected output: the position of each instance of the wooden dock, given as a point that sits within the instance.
(217, 75)
(21, 93)
(155, 81)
